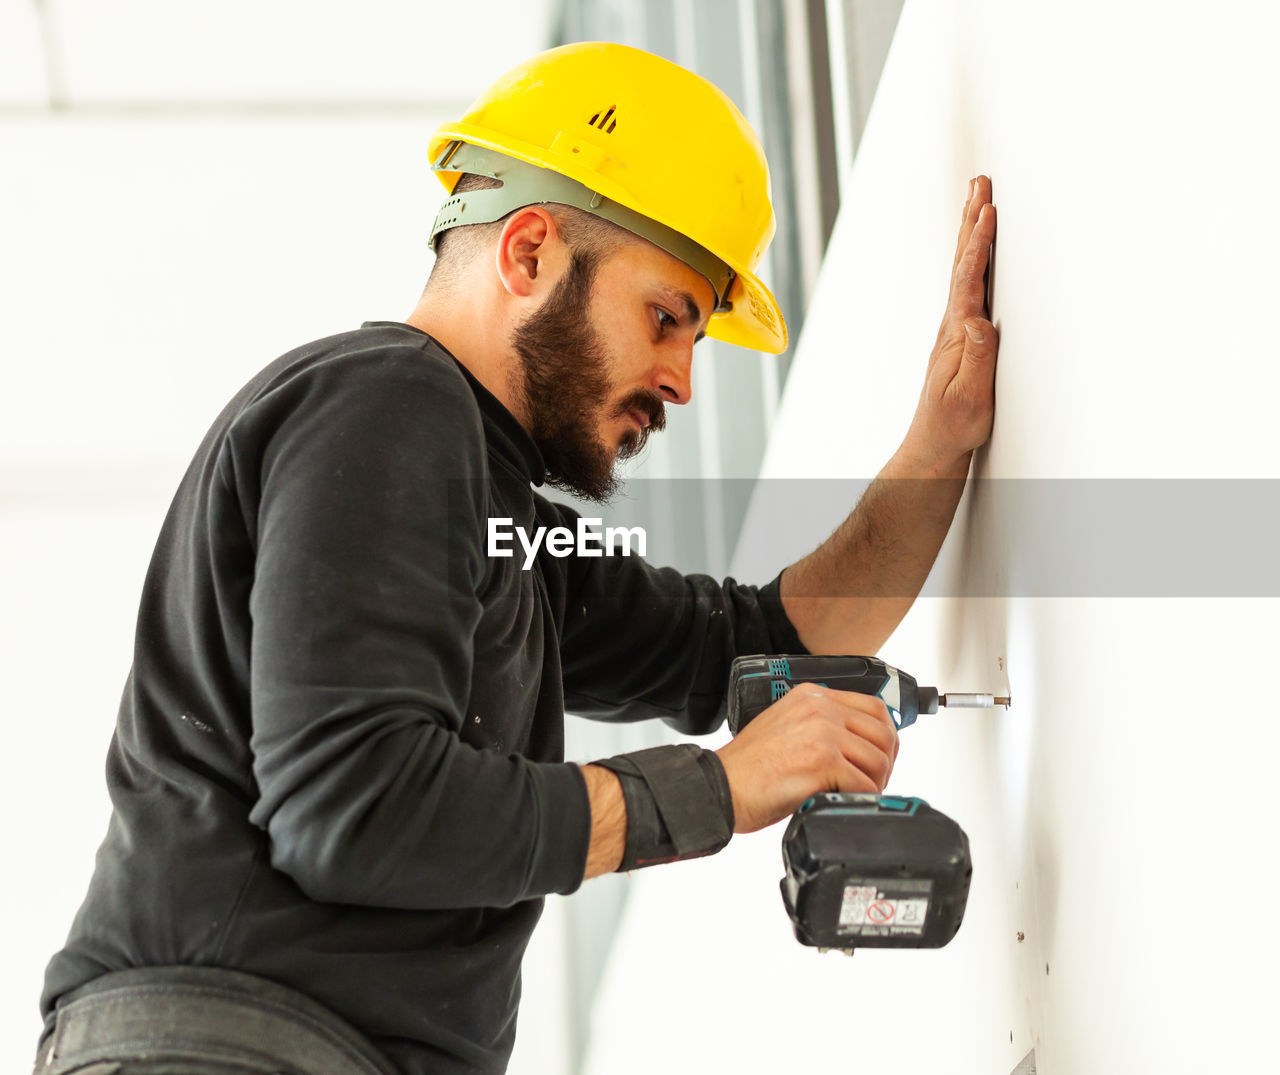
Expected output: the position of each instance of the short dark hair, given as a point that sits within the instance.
(589, 237)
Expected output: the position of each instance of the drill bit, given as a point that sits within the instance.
(972, 701)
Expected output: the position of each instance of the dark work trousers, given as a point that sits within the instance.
(200, 1021)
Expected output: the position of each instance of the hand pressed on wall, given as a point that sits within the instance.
(957, 404)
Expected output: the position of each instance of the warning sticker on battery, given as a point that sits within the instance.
(884, 908)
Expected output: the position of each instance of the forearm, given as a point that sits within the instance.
(396, 811)
(608, 821)
(849, 594)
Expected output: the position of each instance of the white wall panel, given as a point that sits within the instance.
(1119, 812)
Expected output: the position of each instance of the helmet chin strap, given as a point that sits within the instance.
(527, 184)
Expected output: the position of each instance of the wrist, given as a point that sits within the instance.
(678, 804)
(608, 821)
(917, 458)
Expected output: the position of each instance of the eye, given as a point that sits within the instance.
(665, 320)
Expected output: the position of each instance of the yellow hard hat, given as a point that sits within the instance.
(637, 140)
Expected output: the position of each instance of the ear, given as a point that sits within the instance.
(530, 253)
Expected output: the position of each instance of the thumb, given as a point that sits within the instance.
(980, 341)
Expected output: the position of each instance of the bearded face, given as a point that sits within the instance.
(569, 394)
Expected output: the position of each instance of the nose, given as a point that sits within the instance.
(673, 377)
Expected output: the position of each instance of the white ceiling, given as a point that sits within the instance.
(22, 67)
(236, 53)
(254, 167)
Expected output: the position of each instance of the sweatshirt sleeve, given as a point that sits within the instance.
(644, 642)
(363, 485)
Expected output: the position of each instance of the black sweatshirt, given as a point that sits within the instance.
(338, 762)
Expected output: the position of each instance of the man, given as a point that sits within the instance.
(337, 776)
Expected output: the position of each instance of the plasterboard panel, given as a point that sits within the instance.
(22, 69)
(1134, 285)
(292, 50)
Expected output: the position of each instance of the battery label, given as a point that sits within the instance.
(884, 908)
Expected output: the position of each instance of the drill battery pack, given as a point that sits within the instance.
(874, 871)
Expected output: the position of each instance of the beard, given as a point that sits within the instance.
(565, 384)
